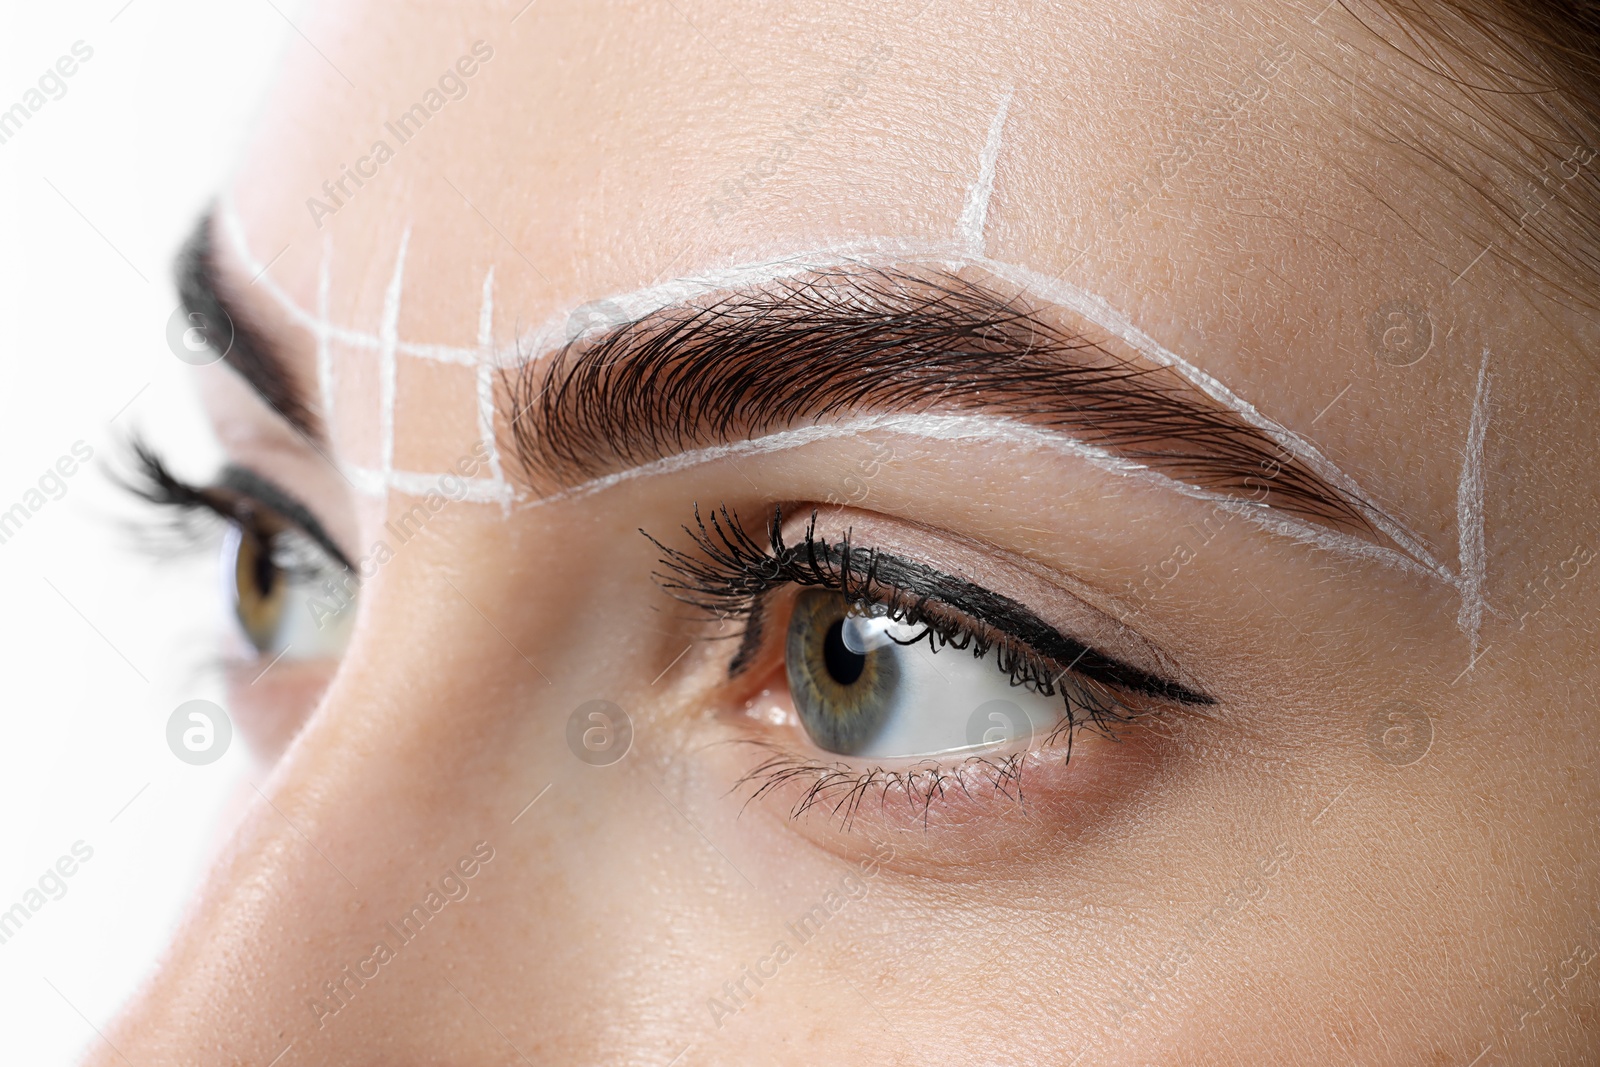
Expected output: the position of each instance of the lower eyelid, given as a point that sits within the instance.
(996, 794)
(269, 702)
(838, 790)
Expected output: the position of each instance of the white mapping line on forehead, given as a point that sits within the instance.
(485, 375)
(369, 482)
(325, 374)
(1469, 514)
(388, 370)
(975, 212)
(1011, 432)
(227, 216)
(452, 486)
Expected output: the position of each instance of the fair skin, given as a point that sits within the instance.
(1374, 910)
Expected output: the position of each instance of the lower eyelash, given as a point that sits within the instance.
(846, 788)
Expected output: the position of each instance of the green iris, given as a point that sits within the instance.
(843, 697)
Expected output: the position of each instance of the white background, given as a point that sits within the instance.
(99, 189)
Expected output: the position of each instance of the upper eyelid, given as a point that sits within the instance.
(1010, 617)
(733, 570)
(1013, 620)
(227, 498)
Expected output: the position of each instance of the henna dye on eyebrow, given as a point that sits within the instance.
(847, 342)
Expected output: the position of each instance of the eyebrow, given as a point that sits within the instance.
(820, 348)
(862, 341)
(234, 334)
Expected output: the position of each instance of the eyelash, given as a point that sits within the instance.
(294, 551)
(728, 575)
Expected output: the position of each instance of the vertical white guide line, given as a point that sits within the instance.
(325, 381)
(388, 372)
(1469, 514)
(975, 212)
(486, 368)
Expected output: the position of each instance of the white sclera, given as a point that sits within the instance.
(945, 701)
(316, 621)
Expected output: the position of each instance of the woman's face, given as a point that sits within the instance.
(1187, 406)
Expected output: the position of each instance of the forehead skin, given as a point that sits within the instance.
(1220, 176)
(1242, 180)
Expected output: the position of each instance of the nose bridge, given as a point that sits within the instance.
(356, 882)
(439, 869)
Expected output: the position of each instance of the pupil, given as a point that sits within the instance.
(843, 665)
(265, 571)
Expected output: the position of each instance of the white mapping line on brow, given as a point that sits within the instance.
(1098, 311)
(1005, 430)
(485, 374)
(1094, 309)
(367, 481)
(373, 483)
(325, 381)
(975, 212)
(227, 216)
(388, 369)
(233, 228)
(1469, 514)
(899, 253)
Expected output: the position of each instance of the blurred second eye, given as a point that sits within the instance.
(287, 597)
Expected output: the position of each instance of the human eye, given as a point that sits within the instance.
(290, 592)
(894, 675)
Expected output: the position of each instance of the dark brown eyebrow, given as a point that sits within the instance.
(225, 321)
(866, 340)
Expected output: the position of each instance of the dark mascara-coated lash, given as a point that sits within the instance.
(729, 572)
(238, 497)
